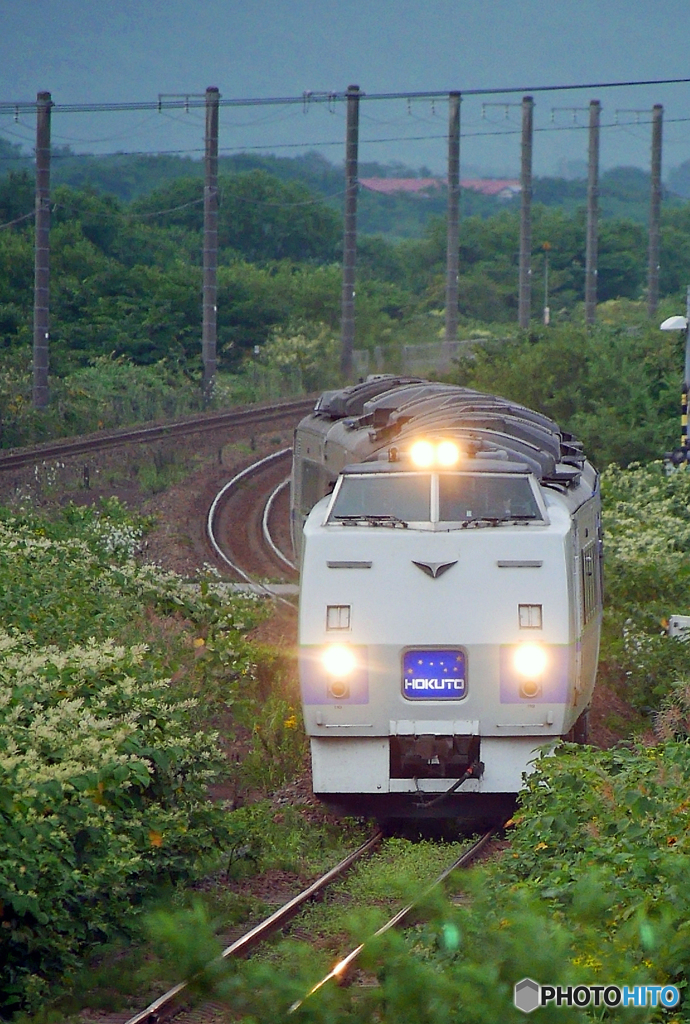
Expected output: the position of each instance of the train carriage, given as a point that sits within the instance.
(450, 595)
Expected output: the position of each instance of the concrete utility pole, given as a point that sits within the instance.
(42, 252)
(591, 257)
(210, 287)
(525, 276)
(347, 316)
(452, 252)
(655, 213)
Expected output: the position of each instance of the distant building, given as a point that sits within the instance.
(394, 186)
(500, 188)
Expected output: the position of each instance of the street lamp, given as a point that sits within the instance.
(679, 456)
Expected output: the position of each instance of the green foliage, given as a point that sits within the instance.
(103, 794)
(647, 536)
(126, 286)
(260, 218)
(104, 770)
(312, 351)
(278, 748)
(17, 195)
(114, 392)
(613, 386)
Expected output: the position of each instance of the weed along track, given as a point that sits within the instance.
(366, 880)
(344, 968)
(172, 1002)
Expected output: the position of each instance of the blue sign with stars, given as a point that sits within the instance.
(434, 675)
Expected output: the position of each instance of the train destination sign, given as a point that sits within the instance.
(434, 675)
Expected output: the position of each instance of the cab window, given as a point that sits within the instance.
(482, 496)
(404, 496)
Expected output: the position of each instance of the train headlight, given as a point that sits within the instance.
(339, 661)
(530, 661)
(340, 664)
(423, 454)
(447, 454)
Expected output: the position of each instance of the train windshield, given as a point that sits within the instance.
(484, 497)
(435, 500)
(385, 498)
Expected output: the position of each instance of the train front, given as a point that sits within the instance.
(438, 648)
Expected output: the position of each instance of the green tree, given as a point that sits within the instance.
(616, 390)
(260, 218)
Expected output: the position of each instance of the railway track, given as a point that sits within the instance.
(342, 968)
(169, 1003)
(173, 1003)
(264, 416)
(248, 523)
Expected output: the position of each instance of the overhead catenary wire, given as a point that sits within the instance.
(309, 98)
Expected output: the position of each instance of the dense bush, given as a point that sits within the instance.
(646, 544)
(104, 770)
(616, 386)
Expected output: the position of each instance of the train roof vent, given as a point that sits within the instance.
(350, 401)
(562, 474)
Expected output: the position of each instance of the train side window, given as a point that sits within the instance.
(311, 489)
(589, 572)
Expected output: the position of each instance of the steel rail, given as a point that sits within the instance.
(178, 428)
(266, 528)
(341, 968)
(215, 504)
(166, 1003)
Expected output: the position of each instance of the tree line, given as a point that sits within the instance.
(126, 275)
(126, 278)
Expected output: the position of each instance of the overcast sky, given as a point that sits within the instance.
(93, 51)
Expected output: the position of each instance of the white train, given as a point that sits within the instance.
(450, 595)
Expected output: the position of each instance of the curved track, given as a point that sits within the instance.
(269, 511)
(248, 522)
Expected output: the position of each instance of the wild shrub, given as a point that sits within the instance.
(646, 517)
(104, 769)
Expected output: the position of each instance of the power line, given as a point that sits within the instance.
(315, 144)
(17, 220)
(309, 98)
(228, 150)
